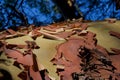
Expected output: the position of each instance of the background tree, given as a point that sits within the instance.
(68, 9)
(15, 13)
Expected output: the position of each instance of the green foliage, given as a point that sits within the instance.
(43, 7)
(15, 12)
(11, 2)
(55, 8)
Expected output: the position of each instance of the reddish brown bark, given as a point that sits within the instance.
(116, 34)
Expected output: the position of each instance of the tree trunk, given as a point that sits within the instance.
(117, 4)
(67, 8)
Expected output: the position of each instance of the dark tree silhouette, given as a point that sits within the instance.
(117, 4)
(68, 9)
